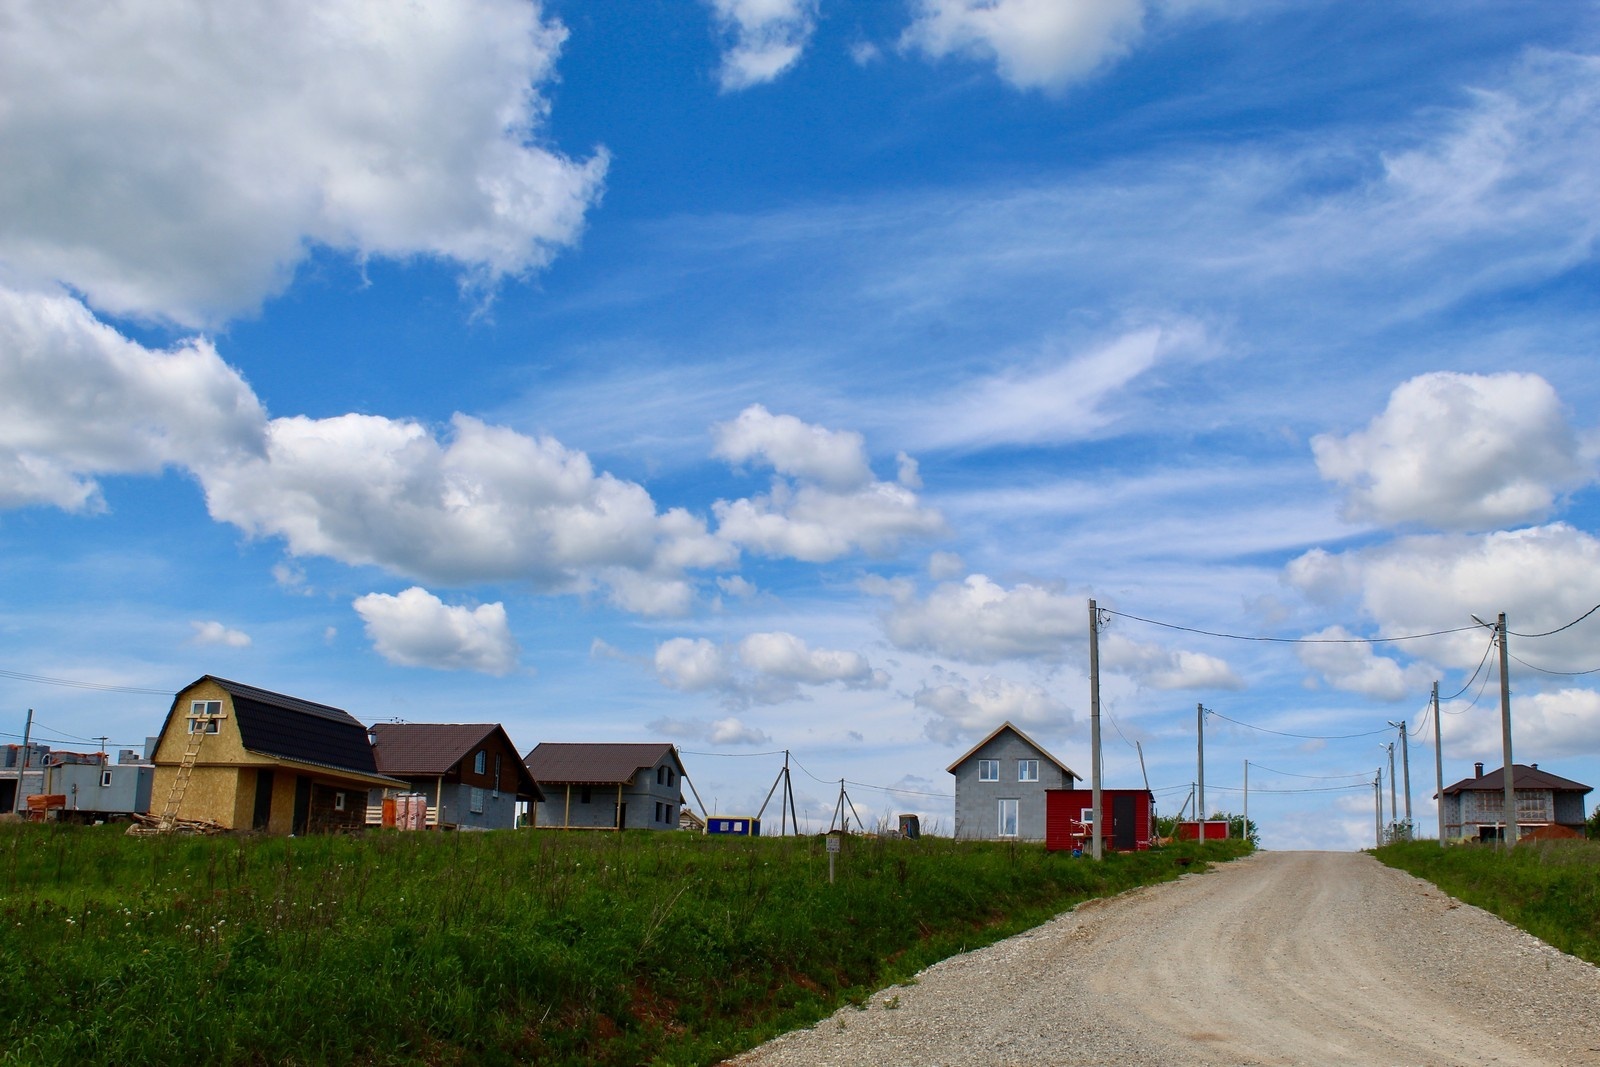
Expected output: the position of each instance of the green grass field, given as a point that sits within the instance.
(516, 947)
(1550, 889)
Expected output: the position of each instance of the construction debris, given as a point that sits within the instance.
(150, 825)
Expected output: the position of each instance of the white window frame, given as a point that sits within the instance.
(105, 777)
(480, 762)
(1011, 805)
(1027, 770)
(205, 716)
(988, 770)
(338, 802)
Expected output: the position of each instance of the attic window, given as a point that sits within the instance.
(988, 770)
(480, 762)
(205, 716)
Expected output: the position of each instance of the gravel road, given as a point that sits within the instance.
(1280, 958)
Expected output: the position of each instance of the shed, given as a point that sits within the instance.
(1069, 819)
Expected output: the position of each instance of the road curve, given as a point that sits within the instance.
(1283, 958)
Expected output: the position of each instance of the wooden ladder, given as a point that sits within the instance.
(180, 781)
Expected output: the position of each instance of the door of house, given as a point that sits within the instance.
(302, 804)
(1122, 828)
(262, 816)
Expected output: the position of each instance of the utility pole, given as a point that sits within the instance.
(1405, 768)
(1377, 800)
(22, 766)
(1394, 814)
(1246, 833)
(1200, 732)
(1505, 732)
(1438, 761)
(1094, 721)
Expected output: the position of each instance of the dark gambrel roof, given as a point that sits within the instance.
(1522, 777)
(273, 724)
(429, 749)
(570, 763)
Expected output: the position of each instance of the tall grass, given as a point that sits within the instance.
(1549, 888)
(517, 947)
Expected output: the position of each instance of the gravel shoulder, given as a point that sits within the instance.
(1282, 958)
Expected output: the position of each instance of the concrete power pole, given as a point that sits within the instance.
(1094, 721)
(1394, 814)
(1200, 732)
(1438, 761)
(1505, 731)
(1377, 801)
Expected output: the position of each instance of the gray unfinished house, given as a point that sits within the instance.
(607, 786)
(470, 772)
(1000, 787)
(1475, 808)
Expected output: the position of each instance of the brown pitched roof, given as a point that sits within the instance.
(1522, 777)
(998, 730)
(429, 749)
(564, 763)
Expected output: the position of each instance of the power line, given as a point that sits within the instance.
(1303, 737)
(98, 686)
(1486, 650)
(1291, 640)
(1317, 777)
(1544, 670)
(1558, 629)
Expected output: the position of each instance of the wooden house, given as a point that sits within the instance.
(623, 786)
(251, 759)
(1001, 784)
(470, 773)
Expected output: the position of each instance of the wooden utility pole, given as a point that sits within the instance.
(1094, 722)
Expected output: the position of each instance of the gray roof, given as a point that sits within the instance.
(1002, 728)
(571, 763)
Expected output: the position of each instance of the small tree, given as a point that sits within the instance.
(1591, 828)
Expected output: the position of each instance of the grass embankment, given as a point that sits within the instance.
(527, 946)
(1549, 888)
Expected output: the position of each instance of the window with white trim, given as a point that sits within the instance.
(1008, 818)
(205, 716)
(480, 762)
(1027, 770)
(105, 777)
(988, 770)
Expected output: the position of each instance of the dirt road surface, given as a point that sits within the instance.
(1282, 958)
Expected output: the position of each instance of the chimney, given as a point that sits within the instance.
(1535, 766)
(1477, 770)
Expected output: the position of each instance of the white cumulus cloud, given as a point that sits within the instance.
(1459, 451)
(980, 621)
(963, 710)
(175, 159)
(1355, 667)
(417, 629)
(77, 399)
(212, 632)
(1163, 668)
(1034, 44)
(765, 38)
(762, 668)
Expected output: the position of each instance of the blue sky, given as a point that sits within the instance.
(789, 374)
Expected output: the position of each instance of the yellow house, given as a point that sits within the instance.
(263, 761)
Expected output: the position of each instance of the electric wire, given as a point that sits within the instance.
(1546, 670)
(98, 686)
(1558, 629)
(1291, 640)
(1486, 650)
(1291, 774)
(1303, 737)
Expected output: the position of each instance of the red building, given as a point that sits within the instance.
(1129, 816)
